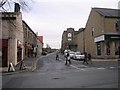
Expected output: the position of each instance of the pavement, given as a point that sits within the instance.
(29, 63)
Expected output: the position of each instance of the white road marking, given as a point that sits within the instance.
(83, 69)
(101, 68)
(77, 68)
(112, 67)
(74, 67)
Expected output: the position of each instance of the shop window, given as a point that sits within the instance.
(107, 48)
(116, 48)
(117, 25)
(98, 49)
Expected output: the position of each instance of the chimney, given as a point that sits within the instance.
(17, 7)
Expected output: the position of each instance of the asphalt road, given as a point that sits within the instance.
(55, 74)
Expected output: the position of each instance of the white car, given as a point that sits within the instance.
(78, 56)
(71, 53)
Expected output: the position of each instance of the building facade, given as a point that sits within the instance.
(40, 44)
(12, 38)
(68, 41)
(102, 38)
(30, 40)
(17, 41)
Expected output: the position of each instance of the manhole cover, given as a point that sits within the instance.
(56, 78)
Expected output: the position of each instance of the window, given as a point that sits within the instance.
(98, 49)
(93, 31)
(117, 25)
(69, 39)
(116, 48)
(69, 35)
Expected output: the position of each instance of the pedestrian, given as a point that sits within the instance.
(89, 58)
(57, 56)
(85, 59)
(35, 51)
(68, 59)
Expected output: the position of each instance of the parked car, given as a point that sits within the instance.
(71, 53)
(78, 56)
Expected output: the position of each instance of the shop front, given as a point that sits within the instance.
(107, 45)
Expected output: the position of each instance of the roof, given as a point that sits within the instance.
(80, 30)
(29, 28)
(113, 13)
(40, 38)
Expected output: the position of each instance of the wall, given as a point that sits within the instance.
(80, 42)
(40, 46)
(95, 21)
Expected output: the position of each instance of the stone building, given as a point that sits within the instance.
(101, 35)
(68, 41)
(12, 37)
(30, 40)
(17, 40)
(80, 40)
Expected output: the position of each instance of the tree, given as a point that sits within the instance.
(6, 5)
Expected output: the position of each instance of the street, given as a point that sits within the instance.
(51, 73)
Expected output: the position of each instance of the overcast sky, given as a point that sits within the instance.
(51, 17)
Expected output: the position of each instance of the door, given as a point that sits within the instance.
(4, 56)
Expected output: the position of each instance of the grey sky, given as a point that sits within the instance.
(51, 17)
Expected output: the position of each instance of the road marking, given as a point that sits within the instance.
(77, 68)
(101, 68)
(112, 67)
(83, 69)
(74, 67)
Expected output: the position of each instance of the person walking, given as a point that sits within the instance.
(35, 51)
(57, 56)
(68, 59)
(85, 59)
(89, 58)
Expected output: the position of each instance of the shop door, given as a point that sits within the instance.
(4, 56)
(19, 54)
